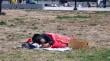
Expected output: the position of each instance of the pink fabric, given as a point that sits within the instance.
(60, 41)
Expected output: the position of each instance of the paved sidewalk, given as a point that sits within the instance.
(94, 9)
(78, 8)
(58, 8)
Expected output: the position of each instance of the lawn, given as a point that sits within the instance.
(18, 25)
(75, 55)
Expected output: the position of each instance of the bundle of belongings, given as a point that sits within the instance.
(53, 41)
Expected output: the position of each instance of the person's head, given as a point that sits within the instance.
(37, 38)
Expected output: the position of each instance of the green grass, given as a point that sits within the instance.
(102, 12)
(3, 23)
(21, 36)
(19, 18)
(75, 55)
(101, 55)
(70, 17)
(16, 36)
(79, 18)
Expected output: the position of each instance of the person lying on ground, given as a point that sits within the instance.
(53, 40)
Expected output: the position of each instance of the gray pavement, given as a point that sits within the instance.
(78, 8)
(94, 9)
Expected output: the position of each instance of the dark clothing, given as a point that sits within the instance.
(48, 39)
(0, 6)
(28, 45)
(104, 3)
(37, 37)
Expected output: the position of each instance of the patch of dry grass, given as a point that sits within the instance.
(17, 25)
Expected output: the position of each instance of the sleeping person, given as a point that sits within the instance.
(54, 40)
(46, 40)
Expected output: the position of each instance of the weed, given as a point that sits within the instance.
(70, 17)
(20, 36)
(50, 60)
(81, 16)
(3, 23)
(17, 18)
(102, 12)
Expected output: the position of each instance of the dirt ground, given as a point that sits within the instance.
(17, 25)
